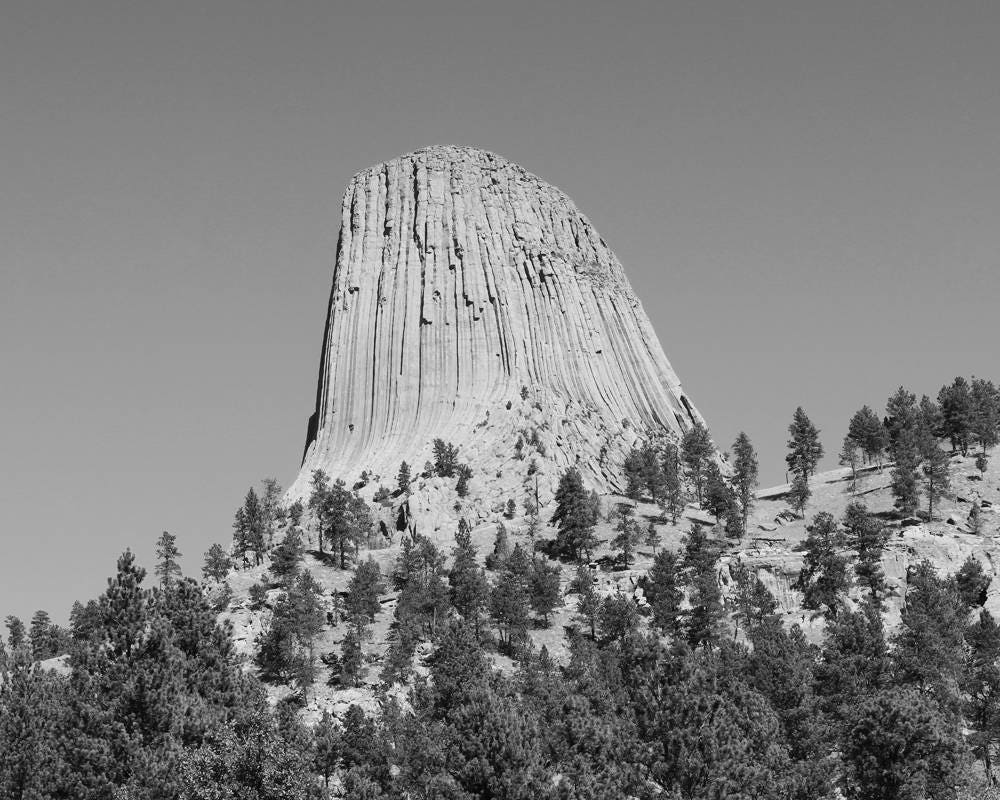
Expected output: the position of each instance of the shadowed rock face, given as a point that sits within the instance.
(461, 278)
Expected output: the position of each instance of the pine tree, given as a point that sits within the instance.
(16, 633)
(319, 503)
(270, 507)
(804, 447)
(44, 636)
(823, 578)
(286, 558)
(468, 587)
(543, 589)
(589, 603)
(868, 434)
(462, 485)
(575, 515)
(509, 608)
(972, 582)
(673, 492)
(328, 744)
(663, 592)
(704, 620)
(901, 419)
(717, 494)
(957, 412)
(937, 481)
(501, 549)
(929, 647)
(981, 685)
(403, 478)
(849, 458)
(696, 451)
(251, 531)
(985, 416)
(899, 746)
(217, 564)
(904, 472)
(167, 554)
(868, 536)
(363, 592)
(617, 618)
(799, 493)
(652, 538)
(746, 476)
(445, 458)
(928, 425)
(755, 605)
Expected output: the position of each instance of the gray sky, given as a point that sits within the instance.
(805, 195)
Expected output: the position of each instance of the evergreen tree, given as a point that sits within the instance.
(867, 432)
(328, 744)
(644, 473)
(501, 549)
(754, 603)
(985, 417)
(848, 457)
(445, 458)
(617, 618)
(937, 481)
(957, 412)
(928, 425)
(663, 592)
(462, 485)
(799, 493)
(319, 503)
(589, 603)
(363, 591)
(901, 420)
(804, 447)
(468, 588)
(696, 452)
(717, 495)
(270, 507)
(704, 620)
(900, 747)
(403, 477)
(44, 636)
(652, 537)
(929, 646)
(167, 554)
(673, 492)
(249, 527)
(509, 608)
(16, 632)
(982, 462)
(823, 578)
(868, 536)
(543, 589)
(981, 685)
(904, 472)
(217, 564)
(746, 477)
(287, 557)
(972, 582)
(575, 515)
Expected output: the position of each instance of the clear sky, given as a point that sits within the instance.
(806, 195)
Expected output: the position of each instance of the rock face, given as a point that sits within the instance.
(473, 302)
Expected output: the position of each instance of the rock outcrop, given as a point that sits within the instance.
(473, 302)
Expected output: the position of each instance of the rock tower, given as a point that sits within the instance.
(473, 302)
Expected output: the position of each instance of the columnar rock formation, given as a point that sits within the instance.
(461, 278)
